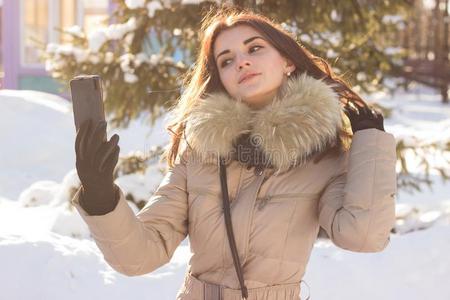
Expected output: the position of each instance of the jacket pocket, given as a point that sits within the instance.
(262, 201)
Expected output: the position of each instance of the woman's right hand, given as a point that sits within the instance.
(363, 117)
(96, 159)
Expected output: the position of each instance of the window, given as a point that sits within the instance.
(35, 29)
(68, 16)
(95, 14)
(41, 19)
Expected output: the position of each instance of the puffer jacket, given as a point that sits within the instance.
(276, 212)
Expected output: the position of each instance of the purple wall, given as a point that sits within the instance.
(11, 43)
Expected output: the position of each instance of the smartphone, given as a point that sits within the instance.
(87, 100)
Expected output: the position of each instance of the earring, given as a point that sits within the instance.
(288, 74)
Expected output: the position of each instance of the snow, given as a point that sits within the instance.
(57, 53)
(75, 30)
(413, 266)
(429, 4)
(130, 78)
(117, 31)
(392, 19)
(46, 247)
(152, 7)
(96, 39)
(133, 4)
(39, 131)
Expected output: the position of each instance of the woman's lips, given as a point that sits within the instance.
(249, 77)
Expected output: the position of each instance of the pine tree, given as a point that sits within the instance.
(149, 45)
(135, 55)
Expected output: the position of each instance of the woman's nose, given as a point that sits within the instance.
(246, 63)
(242, 61)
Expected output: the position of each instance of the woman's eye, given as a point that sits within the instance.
(255, 47)
(224, 64)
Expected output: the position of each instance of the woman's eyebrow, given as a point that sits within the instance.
(245, 43)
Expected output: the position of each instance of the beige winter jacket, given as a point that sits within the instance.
(276, 212)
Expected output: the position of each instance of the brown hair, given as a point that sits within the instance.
(204, 76)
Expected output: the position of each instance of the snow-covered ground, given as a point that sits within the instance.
(46, 251)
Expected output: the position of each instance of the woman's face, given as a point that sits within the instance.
(242, 50)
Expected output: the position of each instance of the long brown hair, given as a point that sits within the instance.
(204, 76)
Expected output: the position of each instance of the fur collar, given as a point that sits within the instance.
(302, 120)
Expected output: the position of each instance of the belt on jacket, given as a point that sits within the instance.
(200, 290)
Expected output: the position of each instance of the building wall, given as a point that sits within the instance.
(28, 25)
(2, 74)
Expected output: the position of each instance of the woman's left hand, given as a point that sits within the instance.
(364, 117)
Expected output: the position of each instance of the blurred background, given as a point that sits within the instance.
(394, 53)
(28, 24)
(408, 38)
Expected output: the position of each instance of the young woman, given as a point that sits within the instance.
(262, 126)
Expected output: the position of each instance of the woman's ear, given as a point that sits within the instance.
(289, 66)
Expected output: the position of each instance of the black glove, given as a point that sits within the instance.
(96, 159)
(363, 117)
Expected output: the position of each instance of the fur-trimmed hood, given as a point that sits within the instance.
(302, 120)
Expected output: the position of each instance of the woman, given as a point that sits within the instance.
(261, 127)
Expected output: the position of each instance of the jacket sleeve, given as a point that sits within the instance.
(357, 207)
(138, 244)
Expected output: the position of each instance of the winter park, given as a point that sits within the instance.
(129, 210)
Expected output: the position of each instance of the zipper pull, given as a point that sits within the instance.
(263, 202)
(259, 170)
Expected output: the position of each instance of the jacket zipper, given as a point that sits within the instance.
(262, 201)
